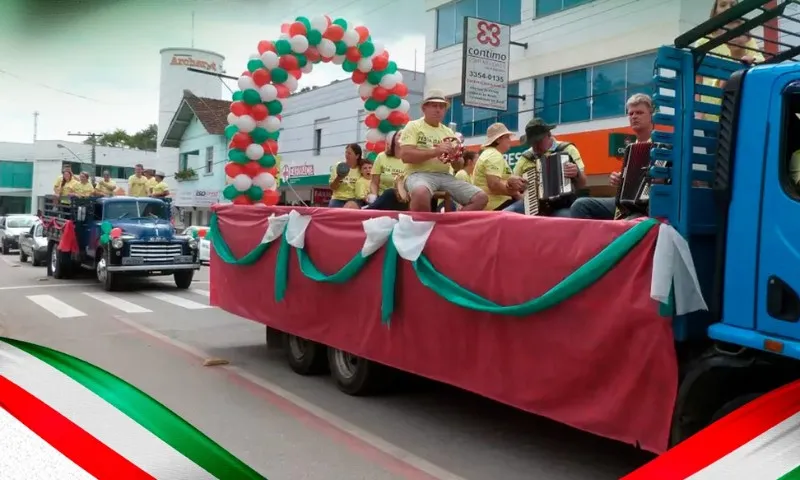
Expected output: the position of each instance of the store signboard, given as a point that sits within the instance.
(196, 198)
(486, 61)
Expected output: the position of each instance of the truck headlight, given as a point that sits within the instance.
(117, 243)
(192, 243)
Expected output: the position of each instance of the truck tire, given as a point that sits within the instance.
(734, 405)
(60, 262)
(109, 280)
(355, 375)
(183, 279)
(304, 356)
(6, 250)
(24, 258)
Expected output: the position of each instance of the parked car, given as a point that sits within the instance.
(33, 245)
(11, 227)
(204, 246)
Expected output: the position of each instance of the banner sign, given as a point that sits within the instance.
(487, 54)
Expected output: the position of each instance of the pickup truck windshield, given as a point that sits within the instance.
(20, 222)
(131, 210)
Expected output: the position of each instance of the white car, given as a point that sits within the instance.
(204, 246)
(10, 229)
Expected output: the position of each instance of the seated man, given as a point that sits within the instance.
(640, 117)
(422, 149)
(539, 137)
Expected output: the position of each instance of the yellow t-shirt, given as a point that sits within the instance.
(362, 188)
(524, 163)
(491, 162)
(388, 168)
(463, 175)
(794, 169)
(347, 188)
(159, 187)
(138, 186)
(68, 188)
(83, 189)
(419, 134)
(106, 187)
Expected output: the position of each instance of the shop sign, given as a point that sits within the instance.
(291, 171)
(617, 143)
(513, 154)
(321, 196)
(196, 198)
(184, 60)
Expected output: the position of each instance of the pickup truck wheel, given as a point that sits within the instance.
(60, 262)
(734, 405)
(6, 250)
(22, 257)
(183, 280)
(355, 375)
(304, 356)
(109, 280)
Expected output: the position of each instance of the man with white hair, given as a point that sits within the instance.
(640, 117)
(422, 150)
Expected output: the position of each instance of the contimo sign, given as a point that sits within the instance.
(187, 61)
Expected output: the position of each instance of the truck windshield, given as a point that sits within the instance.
(120, 210)
(20, 222)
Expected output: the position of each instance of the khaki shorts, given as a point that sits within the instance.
(461, 191)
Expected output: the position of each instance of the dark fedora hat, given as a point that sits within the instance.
(535, 130)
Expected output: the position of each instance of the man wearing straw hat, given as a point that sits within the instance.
(422, 148)
(492, 173)
(160, 189)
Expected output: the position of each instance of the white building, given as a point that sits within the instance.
(316, 127)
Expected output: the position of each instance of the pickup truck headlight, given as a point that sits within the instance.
(192, 243)
(117, 243)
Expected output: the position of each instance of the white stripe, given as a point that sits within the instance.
(770, 455)
(55, 306)
(26, 456)
(204, 293)
(96, 416)
(52, 285)
(117, 302)
(176, 300)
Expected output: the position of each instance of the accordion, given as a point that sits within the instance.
(547, 188)
(633, 194)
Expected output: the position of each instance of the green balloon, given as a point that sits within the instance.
(367, 48)
(341, 22)
(341, 48)
(255, 193)
(267, 161)
(230, 192)
(314, 37)
(104, 238)
(274, 107)
(279, 75)
(273, 135)
(283, 47)
(251, 97)
(349, 66)
(105, 227)
(385, 126)
(391, 68)
(237, 95)
(372, 156)
(371, 104)
(375, 77)
(392, 101)
(259, 135)
(254, 64)
(236, 155)
(230, 131)
(302, 61)
(305, 21)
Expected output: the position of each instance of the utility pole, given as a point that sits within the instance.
(93, 136)
(35, 126)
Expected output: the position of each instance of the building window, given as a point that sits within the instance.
(546, 7)
(592, 93)
(450, 17)
(183, 162)
(317, 141)
(473, 122)
(209, 160)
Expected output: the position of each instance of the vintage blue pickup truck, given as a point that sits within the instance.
(117, 237)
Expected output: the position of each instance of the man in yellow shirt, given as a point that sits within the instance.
(160, 189)
(106, 186)
(421, 149)
(84, 187)
(138, 183)
(492, 173)
(151, 179)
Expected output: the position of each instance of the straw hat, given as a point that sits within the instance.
(435, 96)
(495, 132)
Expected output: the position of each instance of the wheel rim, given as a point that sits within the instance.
(297, 347)
(101, 270)
(346, 363)
(53, 256)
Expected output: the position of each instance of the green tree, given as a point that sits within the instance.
(144, 139)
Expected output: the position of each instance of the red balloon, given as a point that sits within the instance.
(401, 90)
(378, 147)
(380, 94)
(312, 54)
(333, 33)
(232, 169)
(280, 117)
(353, 54)
(239, 109)
(271, 198)
(259, 112)
(251, 169)
(265, 46)
(372, 121)
(385, 53)
(242, 200)
(288, 62)
(272, 171)
(283, 90)
(296, 73)
(285, 27)
(270, 147)
(380, 63)
(326, 59)
(247, 73)
(297, 28)
(363, 33)
(370, 145)
(359, 77)
(261, 77)
(242, 140)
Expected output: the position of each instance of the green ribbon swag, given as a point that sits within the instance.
(579, 280)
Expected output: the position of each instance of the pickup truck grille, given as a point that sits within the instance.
(158, 253)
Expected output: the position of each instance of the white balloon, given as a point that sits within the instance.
(379, 48)
(246, 82)
(232, 118)
(365, 90)
(272, 124)
(283, 36)
(374, 135)
(404, 105)
(350, 38)
(388, 81)
(246, 123)
(254, 151)
(365, 65)
(398, 76)
(338, 59)
(242, 182)
(382, 112)
(319, 23)
(264, 180)
(299, 44)
(308, 68)
(326, 48)
(268, 92)
(270, 59)
(254, 56)
(291, 83)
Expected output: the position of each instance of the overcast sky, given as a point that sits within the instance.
(93, 65)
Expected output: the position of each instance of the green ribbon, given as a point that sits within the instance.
(224, 252)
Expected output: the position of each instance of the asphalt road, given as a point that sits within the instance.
(285, 426)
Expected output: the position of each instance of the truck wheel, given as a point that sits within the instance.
(305, 357)
(734, 405)
(6, 250)
(60, 263)
(355, 375)
(109, 280)
(183, 279)
(22, 257)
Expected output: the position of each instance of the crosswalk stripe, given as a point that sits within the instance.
(118, 303)
(204, 293)
(55, 306)
(176, 300)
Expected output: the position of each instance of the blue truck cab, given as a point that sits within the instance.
(727, 188)
(117, 237)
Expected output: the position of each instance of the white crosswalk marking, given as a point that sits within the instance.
(204, 293)
(176, 300)
(55, 306)
(117, 303)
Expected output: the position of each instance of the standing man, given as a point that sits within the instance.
(137, 183)
(106, 186)
(421, 149)
(151, 180)
(160, 189)
(640, 117)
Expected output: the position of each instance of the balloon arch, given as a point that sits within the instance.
(272, 75)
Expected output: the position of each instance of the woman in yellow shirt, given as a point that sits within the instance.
(83, 188)
(65, 186)
(344, 177)
(492, 173)
(387, 167)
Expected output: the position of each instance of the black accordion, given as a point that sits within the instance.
(633, 194)
(547, 188)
